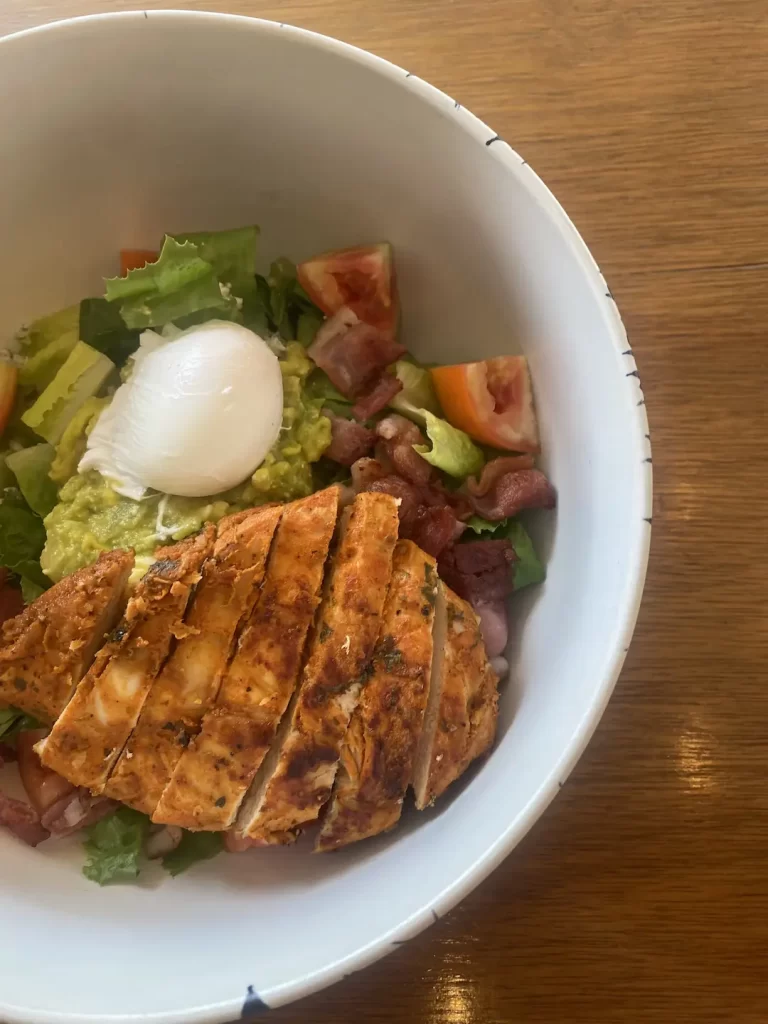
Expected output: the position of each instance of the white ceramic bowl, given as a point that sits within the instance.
(116, 128)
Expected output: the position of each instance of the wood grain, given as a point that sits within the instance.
(642, 895)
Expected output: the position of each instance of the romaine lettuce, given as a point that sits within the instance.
(114, 847)
(418, 392)
(194, 847)
(178, 285)
(103, 328)
(452, 450)
(22, 536)
(31, 467)
(81, 376)
(232, 254)
(72, 445)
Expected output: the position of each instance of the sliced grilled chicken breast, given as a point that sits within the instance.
(216, 769)
(377, 757)
(90, 734)
(460, 722)
(46, 650)
(189, 681)
(295, 779)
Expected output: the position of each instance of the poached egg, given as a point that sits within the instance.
(197, 415)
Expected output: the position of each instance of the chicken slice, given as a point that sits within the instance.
(216, 769)
(377, 757)
(46, 650)
(460, 722)
(89, 736)
(189, 681)
(296, 777)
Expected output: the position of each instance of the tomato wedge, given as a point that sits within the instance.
(362, 278)
(492, 401)
(9, 379)
(134, 259)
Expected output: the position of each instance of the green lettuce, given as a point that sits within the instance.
(114, 847)
(319, 387)
(42, 366)
(47, 329)
(72, 445)
(179, 284)
(231, 254)
(418, 393)
(292, 314)
(81, 376)
(452, 450)
(528, 568)
(30, 591)
(13, 721)
(31, 467)
(103, 328)
(22, 536)
(194, 847)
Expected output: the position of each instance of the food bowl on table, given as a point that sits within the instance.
(118, 128)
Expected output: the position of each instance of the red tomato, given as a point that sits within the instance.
(362, 279)
(492, 401)
(133, 259)
(43, 787)
(9, 378)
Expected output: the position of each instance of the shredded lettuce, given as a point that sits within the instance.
(31, 467)
(114, 847)
(194, 847)
(528, 568)
(418, 392)
(180, 283)
(81, 376)
(452, 450)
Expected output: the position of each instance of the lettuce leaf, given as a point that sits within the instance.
(232, 254)
(319, 387)
(72, 445)
(31, 467)
(418, 391)
(83, 374)
(42, 332)
(179, 284)
(194, 847)
(30, 592)
(22, 536)
(40, 369)
(103, 328)
(452, 450)
(528, 568)
(13, 721)
(114, 847)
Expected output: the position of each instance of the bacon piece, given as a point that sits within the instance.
(433, 529)
(479, 571)
(377, 397)
(22, 820)
(513, 492)
(76, 811)
(495, 469)
(353, 354)
(398, 436)
(350, 441)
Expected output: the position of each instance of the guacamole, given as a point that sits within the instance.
(91, 517)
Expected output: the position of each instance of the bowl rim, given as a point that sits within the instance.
(243, 1005)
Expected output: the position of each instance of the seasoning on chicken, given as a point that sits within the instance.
(89, 736)
(46, 650)
(189, 681)
(215, 771)
(296, 778)
(460, 722)
(377, 757)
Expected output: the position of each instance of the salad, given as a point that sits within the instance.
(196, 387)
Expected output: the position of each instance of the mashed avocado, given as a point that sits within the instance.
(90, 517)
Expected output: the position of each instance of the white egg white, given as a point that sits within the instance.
(197, 415)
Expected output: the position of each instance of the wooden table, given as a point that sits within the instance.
(642, 895)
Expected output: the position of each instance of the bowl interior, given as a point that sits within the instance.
(117, 129)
